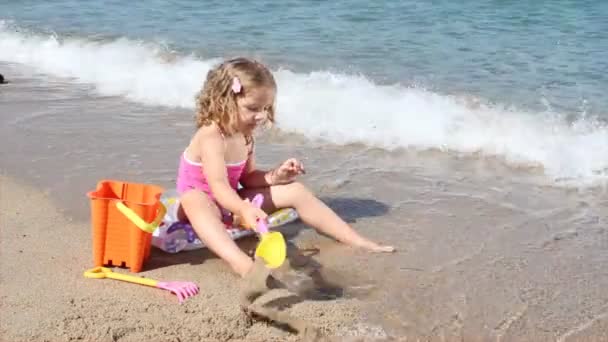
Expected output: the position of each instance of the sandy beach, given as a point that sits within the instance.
(552, 292)
(486, 251)
(46, 298)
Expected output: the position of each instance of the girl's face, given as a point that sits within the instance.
(254, 106)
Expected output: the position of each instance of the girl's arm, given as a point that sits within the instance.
(214, 166)
(284, 174)
(254, 178)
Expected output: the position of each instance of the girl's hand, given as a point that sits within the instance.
(287, 172)
(250, 215)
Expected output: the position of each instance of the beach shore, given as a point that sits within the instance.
(484, 251)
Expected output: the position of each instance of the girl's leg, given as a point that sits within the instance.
(313, 212)
(205, 218)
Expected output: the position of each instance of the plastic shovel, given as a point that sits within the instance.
(183, 289)
(272, 247)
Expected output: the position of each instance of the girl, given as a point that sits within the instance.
(237, 97)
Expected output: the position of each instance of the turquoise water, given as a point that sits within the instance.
(533, 53)
(521, 80)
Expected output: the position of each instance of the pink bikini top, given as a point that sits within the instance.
(192, 176)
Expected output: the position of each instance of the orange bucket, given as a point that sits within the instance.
(123, 216)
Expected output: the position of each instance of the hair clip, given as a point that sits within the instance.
(236, 85)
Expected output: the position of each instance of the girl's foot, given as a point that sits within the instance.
(254, 283)
(374, 247)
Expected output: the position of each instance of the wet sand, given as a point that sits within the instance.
(485, 251)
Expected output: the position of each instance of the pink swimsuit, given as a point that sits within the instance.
(191, 176)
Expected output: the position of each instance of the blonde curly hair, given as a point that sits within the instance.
(216, 102)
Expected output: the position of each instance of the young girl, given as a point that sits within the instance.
(237, 97)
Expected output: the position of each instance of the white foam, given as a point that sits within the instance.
(347, 109)
(139, 71)
(339, 108)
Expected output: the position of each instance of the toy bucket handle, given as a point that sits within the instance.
(97, 272)
(138, 221)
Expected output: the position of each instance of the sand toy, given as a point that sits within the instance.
(182, 289)
(272, 247)
(123, 217)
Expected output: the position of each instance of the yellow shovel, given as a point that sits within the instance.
(272, 248)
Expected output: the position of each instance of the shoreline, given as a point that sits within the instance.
(484, 252)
